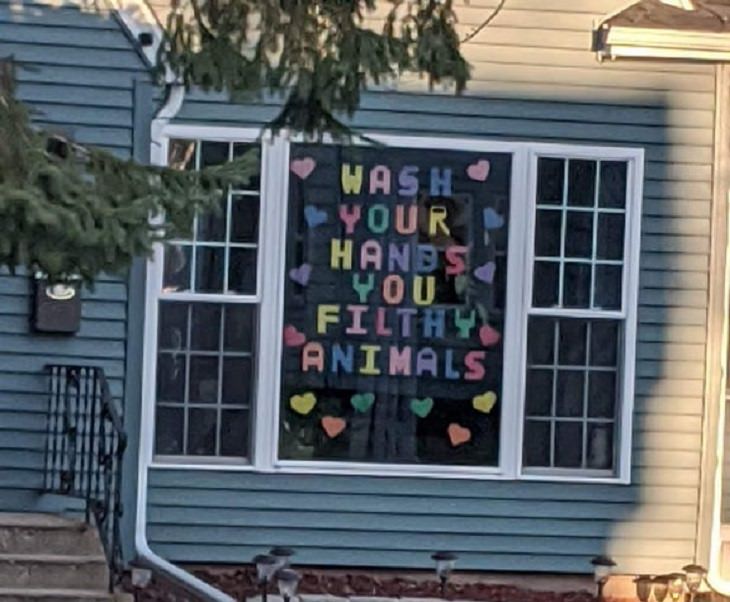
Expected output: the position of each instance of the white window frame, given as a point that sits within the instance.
(270, 296)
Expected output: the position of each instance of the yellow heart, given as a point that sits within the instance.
(303, 404)
(485, 403)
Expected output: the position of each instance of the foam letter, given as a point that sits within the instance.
(426, 361)
(427, 259)
(418, 295)
(363, 288)
(399, 257)
(455, 260)
(378, 219)
(356, 311)
(371, 253)
(343, 356)
(437, 221)
(400, 361)
(408, 181)
(350, 215)
(449, 372)
(405, 314)
(474, 361)
(369, 368)
(393, 289)
(351, 181)
(380, 328)
(406, 225)
(341, 254)
(440, 182)
(380, 179)
(327, 314)
(434, 322)
(313, 357)
(465, 325)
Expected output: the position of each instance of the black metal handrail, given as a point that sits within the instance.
(85, 449)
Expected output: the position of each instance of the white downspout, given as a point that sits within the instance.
(170, 108)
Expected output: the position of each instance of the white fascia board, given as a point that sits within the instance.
(634, 42)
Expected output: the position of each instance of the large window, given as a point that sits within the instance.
(441, 307)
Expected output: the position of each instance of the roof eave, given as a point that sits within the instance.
(636, 42)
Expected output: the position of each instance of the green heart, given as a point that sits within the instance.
(422, 407)
(362, 401)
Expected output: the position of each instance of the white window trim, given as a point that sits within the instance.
(274, 189)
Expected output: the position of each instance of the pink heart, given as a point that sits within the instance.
(303, 167)
(301, 274)
(293, 338)
(488, 336)
(478, 171)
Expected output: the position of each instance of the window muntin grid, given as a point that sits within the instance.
(572, 392)
(207, 320)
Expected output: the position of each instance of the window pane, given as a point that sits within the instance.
(602, 394)
(545, 284)
(242, 271)
(394, 306)
(604, 343)
(176, 275)
(250, 149)
(169, 431)
(541, 341)
(240, 327)
(608, 287)
(537, 443)
(245, 219)
(550, 178)
(568, 444)
(600, 446)
(181, 155)
(173, 326)
(577, 285)
(569, 393)
(610, 236)
(539, 397)
(581, 183)
(237, 378)
(234, 433)
(579, 234)
(572, 351)
(212, 225)
(613, 184)
(209, 269)
(213, 153)
(170, 377)
(205, 327)
(547, 233)
(203, 379)
(201, 432)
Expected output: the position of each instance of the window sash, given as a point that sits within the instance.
(274, 194)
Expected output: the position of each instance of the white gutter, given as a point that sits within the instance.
(638, 42)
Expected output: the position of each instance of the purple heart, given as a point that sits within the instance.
(315, 217)
(485, 272)
(301, 274)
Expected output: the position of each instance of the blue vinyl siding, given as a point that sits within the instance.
(535, 78)
(77, 71)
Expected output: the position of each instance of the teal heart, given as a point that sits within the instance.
(422, 407)
(362, 401)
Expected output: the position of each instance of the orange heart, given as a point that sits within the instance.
(333, 426)
(458, 434)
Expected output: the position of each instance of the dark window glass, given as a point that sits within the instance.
(240, 327)
(539, 396)
(568, 444)
(576, 285)
(253, 152)
(212, 225)
(213, 153)
(237, 378)
(610, 236)
(234, 433)
(570, 393)
(550, 179)
(579, 234)
(169, 431)
(600, 446)
(545, 284)
(245, 219)
(173, 325)
(242, 271)
(209, 269)
(608, 287)
(604, 343)
(581, 183)
(602, 394)
(170, 377)
(547, 233)
(176, 275)
(537, 443)
(203, 379)
(206, 327)
(201, 432)
(613, 184)
(572, 350)
(541, 341)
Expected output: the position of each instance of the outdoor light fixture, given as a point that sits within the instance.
(694, 575)
(266, 566)
(445, 562)
(602, 567)
(661, 587)
(287, 580)
(643, 587)
(282, 556)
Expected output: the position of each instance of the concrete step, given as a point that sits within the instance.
(53, 571)
(16, 594)
(46, 534)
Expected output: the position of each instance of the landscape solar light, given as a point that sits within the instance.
(602, 568)
(445, 562)
(287, 580)
(661, 587)
(676, 586)
(266, 566)
(694, 575)
(643, 587)
(282, 556)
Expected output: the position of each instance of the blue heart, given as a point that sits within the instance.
(314, 216)
(492, 219)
